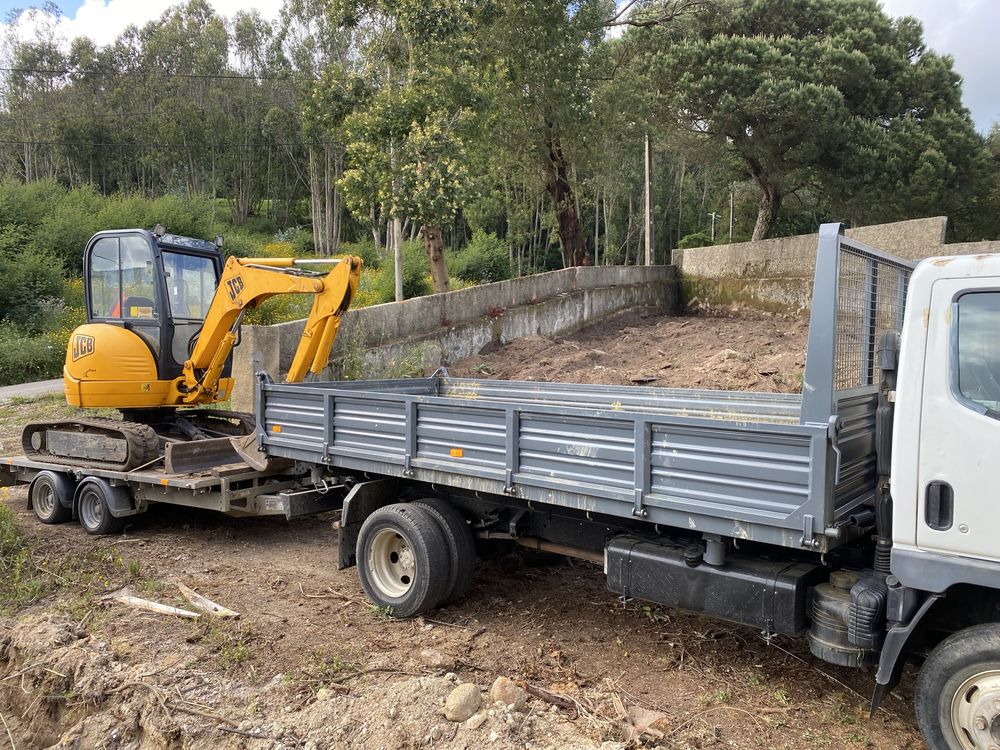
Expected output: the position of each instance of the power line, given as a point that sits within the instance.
(149, 74)
(84, 144)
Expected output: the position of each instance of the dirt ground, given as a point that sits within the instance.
(309, 664)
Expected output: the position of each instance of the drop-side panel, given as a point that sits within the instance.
(737, 473)
(368, 426)
(295, 418)
(464, 437)
(589, 454)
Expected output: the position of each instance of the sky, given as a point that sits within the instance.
(964, 29)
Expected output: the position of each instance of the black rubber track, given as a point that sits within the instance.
(143, 444)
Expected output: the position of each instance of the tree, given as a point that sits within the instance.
(810, 94)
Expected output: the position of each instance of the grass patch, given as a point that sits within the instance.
(26, 575)
(21, 580)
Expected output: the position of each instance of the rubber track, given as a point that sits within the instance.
(215, 418)
(143, 442)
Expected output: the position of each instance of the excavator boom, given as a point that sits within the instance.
(245, 284)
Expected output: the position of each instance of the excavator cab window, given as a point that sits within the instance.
(191, 282)
(122, 279)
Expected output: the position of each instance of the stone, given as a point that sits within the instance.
(477, 720)
(324, 694)
(462, 702)
(431, 657)
(509, 693)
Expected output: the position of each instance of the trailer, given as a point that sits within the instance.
(102, 500)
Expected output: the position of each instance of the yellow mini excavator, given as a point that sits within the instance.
(163, 316)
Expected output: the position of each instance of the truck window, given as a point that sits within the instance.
(978, 349)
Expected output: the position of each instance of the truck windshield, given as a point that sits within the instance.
(190, 284)
(979, 348)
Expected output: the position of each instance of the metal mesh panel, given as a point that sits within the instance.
(871, 292)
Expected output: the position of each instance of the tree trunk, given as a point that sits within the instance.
(557, 185)
(767, 212)
(314, 204)
(769, 204)
(434, 247)
(396, 233)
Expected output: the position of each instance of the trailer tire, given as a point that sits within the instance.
(50, 495)
(93, 500)
(958, 689)
(403, 560)
(461, 545)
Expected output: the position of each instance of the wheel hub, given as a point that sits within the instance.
(391, 563)
(45, 500)
(975, 711)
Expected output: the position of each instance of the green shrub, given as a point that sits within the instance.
(26, 357)
(33, 286)
(483, 260)
(299, 238)
(364, 250)
(28, 204)
(416, 281)
(698, 239)
(241, 244)
(65, 229)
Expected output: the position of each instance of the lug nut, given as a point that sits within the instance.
(981, 723)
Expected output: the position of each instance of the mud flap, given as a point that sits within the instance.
(891, 660)
(363, 499)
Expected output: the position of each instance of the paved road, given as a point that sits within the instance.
(30, 390)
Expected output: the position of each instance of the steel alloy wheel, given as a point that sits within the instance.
(44, 500)
(91, 508)
(391, 563)
(975, 711)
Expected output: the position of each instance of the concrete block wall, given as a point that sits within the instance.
(428, 332)
(777, 274)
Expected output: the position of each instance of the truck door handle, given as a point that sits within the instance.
(940, 506)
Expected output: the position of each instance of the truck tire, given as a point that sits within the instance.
(461, 545)
(51, 497)
(92, 507)
(958, 691)
(403, 560)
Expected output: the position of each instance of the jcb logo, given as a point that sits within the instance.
(235, 286)
(82, 346)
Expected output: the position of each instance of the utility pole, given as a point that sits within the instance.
(714, 217)
(647, 208)
(731, 201)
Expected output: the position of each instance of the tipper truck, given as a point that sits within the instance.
(861, 514)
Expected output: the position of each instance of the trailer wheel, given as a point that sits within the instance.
(92, 507)
(461, 545)
(51, 495)
(958, 691)
(403, 559)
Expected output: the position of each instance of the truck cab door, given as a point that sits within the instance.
(958, 486)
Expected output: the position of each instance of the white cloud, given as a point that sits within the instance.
(966, 30)
(104, 20)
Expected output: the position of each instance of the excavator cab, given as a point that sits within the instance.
(147, 295)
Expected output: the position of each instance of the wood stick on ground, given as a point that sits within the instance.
(9, 735)
(206, 604)
(203, 714)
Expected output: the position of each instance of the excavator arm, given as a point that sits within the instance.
(245, 284)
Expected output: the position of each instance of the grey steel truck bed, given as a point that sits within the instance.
(789, 470)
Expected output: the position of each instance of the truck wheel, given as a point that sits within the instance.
(403, 559)
(958, 691)
(92, 509)
(51, 496)
(461, 545)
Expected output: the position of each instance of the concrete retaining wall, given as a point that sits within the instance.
(404, 338)
(777, 274)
